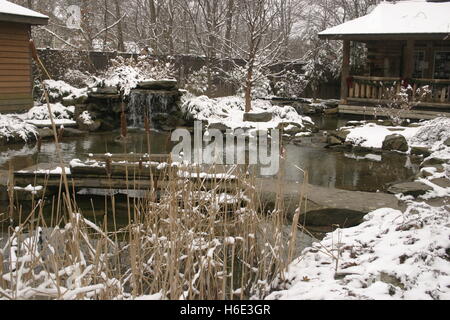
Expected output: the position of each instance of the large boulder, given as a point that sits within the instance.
(218, 126)
(337, 137)
(395, 142)
(258, 116)
(167, 84)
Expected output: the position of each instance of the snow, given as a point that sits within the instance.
(86, 118)
(12, 127)
(60, 89)
(372, 135)
(30, 188)
(56, 171)
(432, 135)
(7, 7)
(230, 112)
(392, 255)
(399, 17)
(40, 112)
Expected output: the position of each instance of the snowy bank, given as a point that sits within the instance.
(392, 255)
(229, 111)
(14, 130)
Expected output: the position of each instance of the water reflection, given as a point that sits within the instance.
(325, 167)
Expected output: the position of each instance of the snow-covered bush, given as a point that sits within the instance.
(59, 90)
(40, 112)
(230, 112)
(261, 83)
(401, 101)
(14, 129)
(125, 74)
(290, 85)
(197, 81)
(77, 78)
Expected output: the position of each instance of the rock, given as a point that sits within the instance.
(340, 135)
(69, 101)
(414, 189)
(395, 142)
(447, 142)
(325, 206)
(332, 141)
(45, 133)
(88, 126)
(431, 162)
(441, 182)
(168, 84)
(258, 117)
(70, 132)
(420, 151)
(104, 93)
(218, 126)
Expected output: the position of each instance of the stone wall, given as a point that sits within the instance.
(59, 61)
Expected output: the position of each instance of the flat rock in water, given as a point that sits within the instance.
(326, 207)
(70, 132)
(45, 133)
(168, 84)
(258, 116)
(414, 189)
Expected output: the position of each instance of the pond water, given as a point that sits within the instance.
(326, 167)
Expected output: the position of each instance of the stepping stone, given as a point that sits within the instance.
(414, 189)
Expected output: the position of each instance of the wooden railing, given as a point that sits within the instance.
(380, 88)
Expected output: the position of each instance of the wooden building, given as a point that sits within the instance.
(16, 92)
(408, 43)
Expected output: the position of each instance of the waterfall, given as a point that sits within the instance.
(158, 106)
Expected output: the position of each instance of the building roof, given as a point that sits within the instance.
(402, 18)
(12, 12)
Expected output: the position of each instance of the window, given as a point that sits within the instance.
(442, 65)
(420, 65)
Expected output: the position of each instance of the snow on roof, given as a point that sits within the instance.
(7, 7)
(404, 17)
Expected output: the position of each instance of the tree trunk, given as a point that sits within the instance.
(229, 29)
(248, 88)
(153, 21)
(120, 43)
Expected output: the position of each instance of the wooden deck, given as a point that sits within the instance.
(417, 114)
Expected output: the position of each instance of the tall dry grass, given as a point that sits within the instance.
(187, 240)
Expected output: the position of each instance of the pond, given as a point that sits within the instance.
(326, 167)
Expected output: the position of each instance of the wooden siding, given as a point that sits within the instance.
(15, 67)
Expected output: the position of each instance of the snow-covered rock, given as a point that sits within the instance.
(60, 90)
(230, 112)
(13, 130)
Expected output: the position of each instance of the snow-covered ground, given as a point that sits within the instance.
(229, 111)
(372, 135)
(393, 254)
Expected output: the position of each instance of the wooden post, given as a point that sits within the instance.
(345, 71)
(408, 60)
